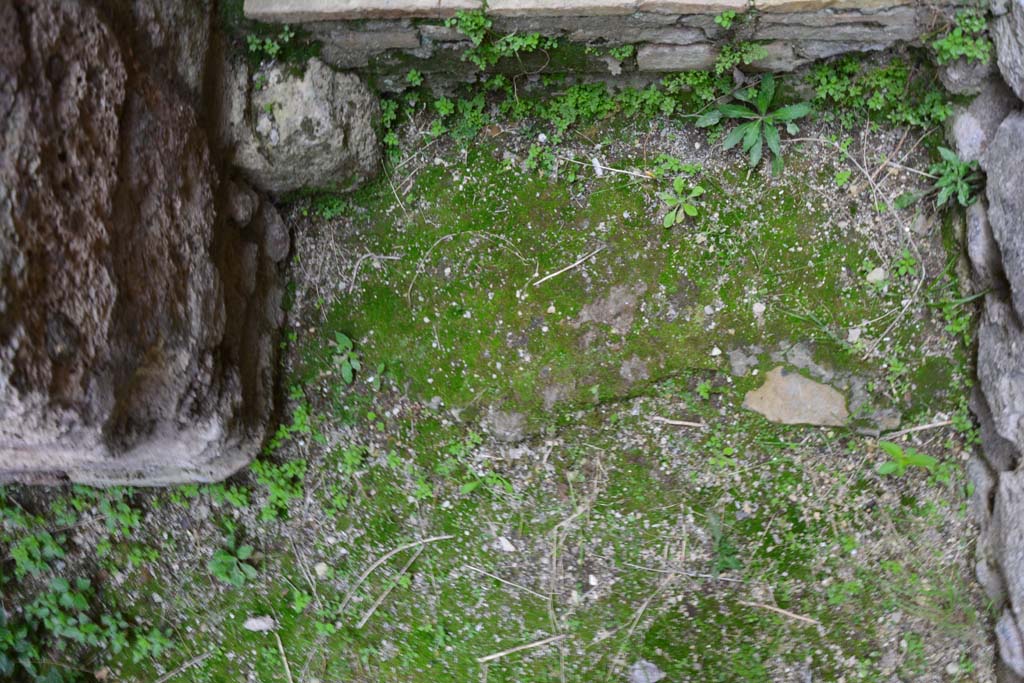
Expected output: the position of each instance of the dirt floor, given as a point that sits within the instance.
(542, 469)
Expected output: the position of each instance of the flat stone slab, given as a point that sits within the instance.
(298, 11)
(790, 398)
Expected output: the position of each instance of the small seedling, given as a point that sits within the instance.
(345, 357)
(725, 19)
(957, 179)
(229, 564)
(681, 201)
(903, 458)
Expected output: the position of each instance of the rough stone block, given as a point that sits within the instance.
(1001, 369)
(887, 27)
(823, 49)
(575, 8)
(818, 5)
(1008, 35)
(971, 129)
(710, 7)
(1005, 192)
(667, 58)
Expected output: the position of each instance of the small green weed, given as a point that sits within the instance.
(901, 459)
(682, 201)
(345, 358)
(725, 19)
(269, 47)
(284, 482)
(760, 126)
(957, 179)
(229, 564)
(967, 39)
(732, 56)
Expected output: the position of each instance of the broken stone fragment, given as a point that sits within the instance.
(789, 398)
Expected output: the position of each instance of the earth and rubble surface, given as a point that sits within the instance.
(518, 442)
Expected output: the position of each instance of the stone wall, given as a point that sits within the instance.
(139, 293)
(991, 131)
(388, 37)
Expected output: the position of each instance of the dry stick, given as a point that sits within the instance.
(382, 560)
(305, 573)
(519, 648)
(779, 610)
(359, 262)
(419, 266)
(507, 583)
(608, 168)
(195, 661)
(569, 267)
(284, 659)
(676, 423)
(378, 601)
(921, 428)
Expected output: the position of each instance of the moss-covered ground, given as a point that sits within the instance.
(542, 469)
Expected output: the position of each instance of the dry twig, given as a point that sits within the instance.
(519, 648)
(384, 558)
(568, 267)
(779, 610)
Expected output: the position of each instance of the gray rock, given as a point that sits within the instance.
(781, 58)
(1000, 454)
(1008, 551)
(1005, 192)
(971, 129)
(242, 202)
(983, 479)
(121, 291)
(506, 426)
(1008, 34)
(991, 581)
(616, 310)
(1001, 369)
(790, 398)
(634, 370)
(982, 249)
(1010, 642)
(262, 624)
(742, 360)
(643, 671)
(270, 230)
(963, 77)
(314, 130)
